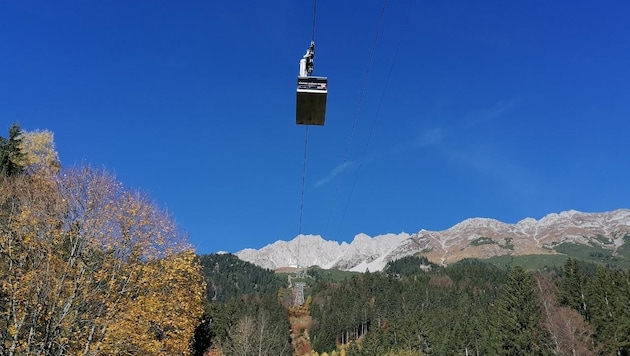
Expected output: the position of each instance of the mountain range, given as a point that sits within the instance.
(606, 234)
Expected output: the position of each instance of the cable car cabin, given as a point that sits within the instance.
(311, 100)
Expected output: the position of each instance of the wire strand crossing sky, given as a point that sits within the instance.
(497, 109)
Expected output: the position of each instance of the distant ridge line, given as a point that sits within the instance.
(607, 232)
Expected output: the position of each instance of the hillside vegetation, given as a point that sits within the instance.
(418, 308)
(89, 267)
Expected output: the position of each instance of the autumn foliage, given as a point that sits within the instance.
(90, 268)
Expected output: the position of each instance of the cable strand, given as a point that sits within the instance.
(302, 195)
(314, 19)
(376, 116)
(357, 111)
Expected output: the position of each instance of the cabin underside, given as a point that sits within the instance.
(311, 101)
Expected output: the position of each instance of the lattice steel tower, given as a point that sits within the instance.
(299, 293)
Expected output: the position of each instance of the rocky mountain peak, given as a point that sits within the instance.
(471, 238)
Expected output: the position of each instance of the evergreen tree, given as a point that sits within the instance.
(408, 266)
(610, 314)
(569, 334)
(11, 155)
(229, 277)
(517, 318)
(573, 287)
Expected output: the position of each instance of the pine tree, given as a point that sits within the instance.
(569, 332)
(573, 287)
(10, 152)
(608, 292)
(518, 317)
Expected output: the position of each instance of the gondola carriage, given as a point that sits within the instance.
(312, 92)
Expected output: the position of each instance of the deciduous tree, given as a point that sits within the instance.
(570, 333)
(87, 265)
(39, 153)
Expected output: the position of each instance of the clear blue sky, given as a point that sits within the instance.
(500, 109)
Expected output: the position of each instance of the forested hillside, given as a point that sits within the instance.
(228, 277)
(90, 267)
(243, 314)
(416, 308)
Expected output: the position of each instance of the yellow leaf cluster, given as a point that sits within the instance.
(88, 268)
(40, 155)
(161, 320)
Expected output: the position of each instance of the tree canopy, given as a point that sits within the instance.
(11, 154)
(88, 267)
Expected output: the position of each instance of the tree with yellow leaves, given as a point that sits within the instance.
(89, 268)
(39, 153)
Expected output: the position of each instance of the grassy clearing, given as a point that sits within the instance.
(528, 261)
(596, 254)
(588, 253)
(315, 275)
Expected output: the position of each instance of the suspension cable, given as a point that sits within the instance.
(314, 19)
(304, 163)
(356, 115)
(302, 195)
(376, 116)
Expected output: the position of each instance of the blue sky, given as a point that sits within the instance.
(500, 109)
